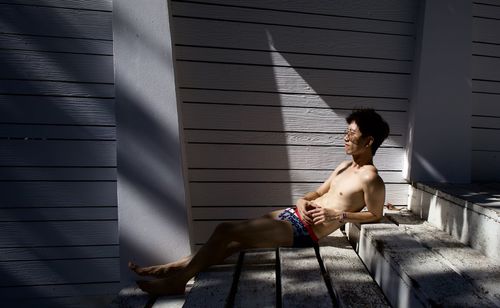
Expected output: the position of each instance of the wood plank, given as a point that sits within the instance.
(290, 100)
(48, 21)
(284, 59)
(302, 283)
(486, 30)
(489, 11)
(57, 194)
(283, 16)
(492, 87)
(56, 88)
(276, 138)
(235, 175)
(290, 80)
(485, 49)
(492, 2)
(353, 285)
(51, 132)
(491, 121)
(486, 67)
(56, 174)
(485, 104)
(57, 110)
(268, 37)
(103, 5)
(276, 119)
(281, 157)
(257, 283)
(54, 214)
(61, 67)
(230, 213)
(53, 291)
(50, 253)
(67, 302)
(404, 11)
(211, 286)
(59, 233)
(58, 153)
(56, 44)
(267, 194)
(19, 273)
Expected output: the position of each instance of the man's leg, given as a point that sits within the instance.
(262, 232)
(164, 270)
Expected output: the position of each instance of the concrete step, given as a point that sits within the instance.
(468, 212)
(418, 265)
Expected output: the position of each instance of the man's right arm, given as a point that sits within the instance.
(313, 195)
(302, 205)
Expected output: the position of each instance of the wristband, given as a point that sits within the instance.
(343, 217)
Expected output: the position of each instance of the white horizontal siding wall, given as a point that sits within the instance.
(265, 87)
(58, 217)
(485, 121)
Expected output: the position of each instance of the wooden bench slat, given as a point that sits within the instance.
(352, 283)
(131, 296)
(257, 283)
(302, 283)
(211, 286)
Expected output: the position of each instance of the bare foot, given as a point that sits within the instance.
(166, 286)
(159, 271)
(154, 271)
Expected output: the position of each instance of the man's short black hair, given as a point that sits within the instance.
(370, 123)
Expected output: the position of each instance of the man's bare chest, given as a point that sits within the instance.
(347, 189)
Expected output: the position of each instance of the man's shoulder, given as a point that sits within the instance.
(369, 175)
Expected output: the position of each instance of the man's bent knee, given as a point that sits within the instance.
(225, 227)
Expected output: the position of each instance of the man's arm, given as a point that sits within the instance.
(302, 203)
(374, 195)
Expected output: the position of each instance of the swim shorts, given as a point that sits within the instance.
(303, 234)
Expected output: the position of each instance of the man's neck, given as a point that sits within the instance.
(362, 160)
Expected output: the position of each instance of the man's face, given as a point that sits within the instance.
(355, 143)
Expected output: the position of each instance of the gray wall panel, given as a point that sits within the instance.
(265, 89)
(58, 215)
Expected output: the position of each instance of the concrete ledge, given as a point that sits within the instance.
(471, 223)
(413, 274)
(482, 272)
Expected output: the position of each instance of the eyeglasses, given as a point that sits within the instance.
(350, 133)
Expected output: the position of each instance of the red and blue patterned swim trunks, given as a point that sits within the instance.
(303, 234)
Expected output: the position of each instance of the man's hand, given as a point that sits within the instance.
(304, 206)
(320, 215)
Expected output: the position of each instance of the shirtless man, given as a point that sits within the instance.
(352, 186)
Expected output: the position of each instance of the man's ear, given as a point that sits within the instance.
(370, 141)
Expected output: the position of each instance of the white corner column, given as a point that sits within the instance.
(152, 208)
(439, 134)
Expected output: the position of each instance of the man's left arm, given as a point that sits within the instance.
(374, 195)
